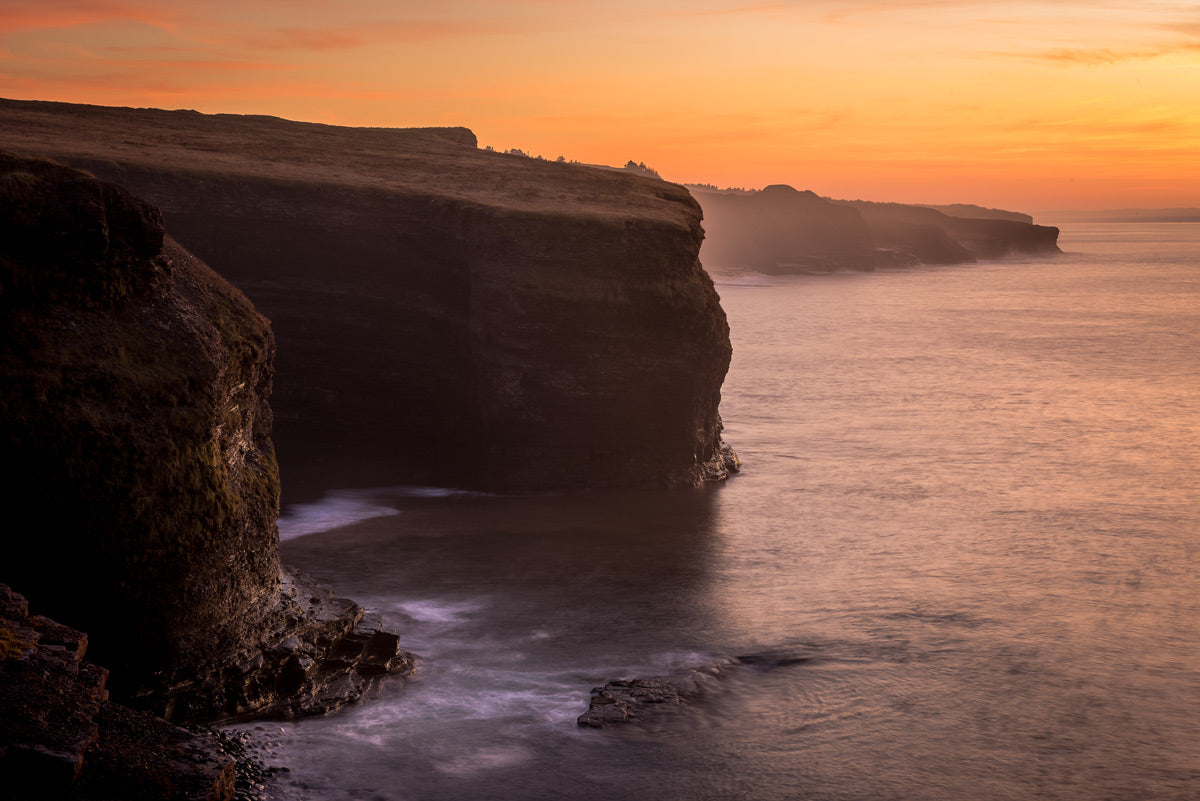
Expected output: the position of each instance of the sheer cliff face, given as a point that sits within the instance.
(142, 485)
(444, 314)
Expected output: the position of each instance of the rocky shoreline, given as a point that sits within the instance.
(135, 387)
(63, 737)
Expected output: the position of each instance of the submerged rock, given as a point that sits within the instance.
(645, 701)
(637, 700)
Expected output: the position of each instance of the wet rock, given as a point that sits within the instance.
(635, 701)
(323, 655)
(61, 737)
(643, 701)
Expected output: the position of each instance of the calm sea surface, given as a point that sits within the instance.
(970, 507)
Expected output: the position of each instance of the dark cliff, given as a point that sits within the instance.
(135, 416)
(779, 230)
(444, 314)
(141, 488)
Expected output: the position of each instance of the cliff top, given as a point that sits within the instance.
(430, 161)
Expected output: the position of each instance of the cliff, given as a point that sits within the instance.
(141, 488)
(973, 212)
(444, 314)
(937, 238)
(780, 230)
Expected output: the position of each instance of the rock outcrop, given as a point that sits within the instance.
(444, 314)
(61, 736)
(141, 490)
(653, 701)
(782, 231)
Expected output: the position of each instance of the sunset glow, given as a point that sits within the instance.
(1034, 106)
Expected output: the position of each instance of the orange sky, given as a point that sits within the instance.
(1033, 106)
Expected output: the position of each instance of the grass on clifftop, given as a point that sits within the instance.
(428, 161)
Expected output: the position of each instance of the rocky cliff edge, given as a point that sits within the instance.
(444, 314)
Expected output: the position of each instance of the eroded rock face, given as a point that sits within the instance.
(61, 736)
(142, 489)
(444, 314)
(135, 387)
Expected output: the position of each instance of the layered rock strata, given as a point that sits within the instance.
(444, 314)
(61, 736)
(141, 490)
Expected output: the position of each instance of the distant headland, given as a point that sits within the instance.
(780, 230)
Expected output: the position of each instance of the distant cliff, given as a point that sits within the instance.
(141, 489)
(443, 314)
(780, 230)
(936, 238)
(973, 212)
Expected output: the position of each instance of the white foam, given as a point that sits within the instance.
(438, 611)
(339, 508)
(750, 279)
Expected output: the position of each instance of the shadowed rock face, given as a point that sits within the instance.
(141, 490)
(444, 315)
(135, 386)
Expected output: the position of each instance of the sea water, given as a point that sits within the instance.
(964, 548)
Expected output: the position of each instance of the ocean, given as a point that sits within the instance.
(962, 558)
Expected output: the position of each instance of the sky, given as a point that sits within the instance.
(1062, 104)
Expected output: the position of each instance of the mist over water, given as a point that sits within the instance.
(968, 512)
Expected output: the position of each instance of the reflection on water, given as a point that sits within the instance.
(970, 502)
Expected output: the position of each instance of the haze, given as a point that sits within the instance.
(1014, 104)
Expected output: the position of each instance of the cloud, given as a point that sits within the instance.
(1101, 56)
(34, 16)
(365, 34)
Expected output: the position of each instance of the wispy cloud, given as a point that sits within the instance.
(32, 16)
(1101, 56)
(364, 34)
